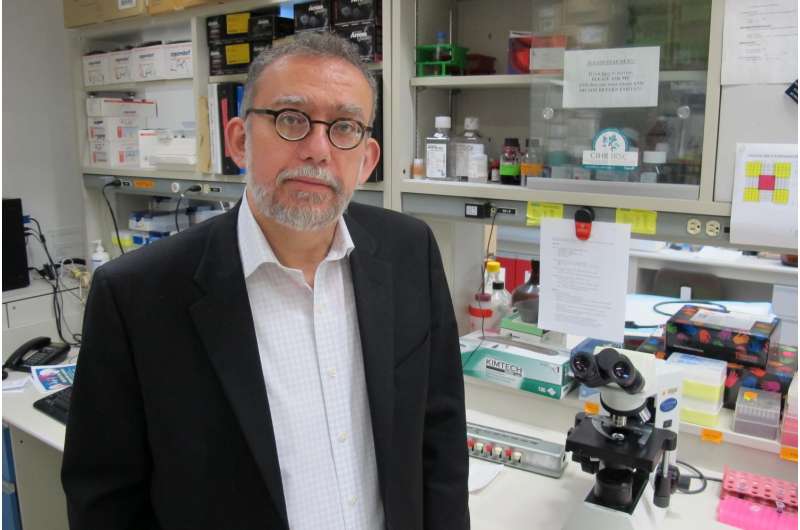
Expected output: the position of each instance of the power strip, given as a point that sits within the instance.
(515, 450)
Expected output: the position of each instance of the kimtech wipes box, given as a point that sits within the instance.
(536, 369)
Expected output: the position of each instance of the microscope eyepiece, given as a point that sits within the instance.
(627, 376)
(608, 366)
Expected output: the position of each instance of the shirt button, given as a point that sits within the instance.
(331, 372)
(352, 500)
(342, 437)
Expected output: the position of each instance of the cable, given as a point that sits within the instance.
(482, 286)
(717, 305)
(683, 485)
(190, 189)
(113, 184)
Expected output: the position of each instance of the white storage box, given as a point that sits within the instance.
(178, 60)
(147, 63)
(167, 148)
(113, 154)
(115, 129)
(118, 107)
(157, 221)
(96, 69)
(119, 65)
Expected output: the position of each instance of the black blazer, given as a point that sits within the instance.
(169, 424)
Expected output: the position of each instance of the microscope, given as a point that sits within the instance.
(630, 446)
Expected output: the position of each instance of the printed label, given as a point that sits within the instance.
(641, 221)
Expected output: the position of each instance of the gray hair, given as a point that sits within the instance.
(312, 43)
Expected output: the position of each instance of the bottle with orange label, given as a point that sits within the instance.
(532, 163)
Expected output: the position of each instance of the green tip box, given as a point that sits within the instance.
(537, 369)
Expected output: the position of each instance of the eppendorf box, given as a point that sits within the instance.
(741, 338)
(115, 129)
(536, 369)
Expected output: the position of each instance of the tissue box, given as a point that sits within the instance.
(734, 337)
(535, 369)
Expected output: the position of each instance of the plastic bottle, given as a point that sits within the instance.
(99, 257)
(500, 304)
(463, 146)
(478, 167)
(526, 297)
(442, 51)
(492, 274)
(436, 149)
(509, 162)
(480, 312)
(532, 163)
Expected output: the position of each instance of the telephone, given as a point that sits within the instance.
(36, 352)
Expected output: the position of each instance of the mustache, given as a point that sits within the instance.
(314, 173)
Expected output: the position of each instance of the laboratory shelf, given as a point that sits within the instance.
(241, 78)
(370, 186)
(213, 187)
(134, 172)
(133, 86)
(522, 81)
(673, 197)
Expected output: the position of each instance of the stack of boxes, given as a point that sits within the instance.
(113, 130)
(758, 413)
(148, 61)
(703, 388)
(359, 21)
(235, 39)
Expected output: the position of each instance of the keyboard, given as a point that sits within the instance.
(56, 405)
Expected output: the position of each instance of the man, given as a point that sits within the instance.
(288, 364)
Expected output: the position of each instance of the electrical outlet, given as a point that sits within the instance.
(713, 228)
(175, 187)
(694, 226)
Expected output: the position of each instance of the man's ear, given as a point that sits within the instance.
(372, 154)
(235, 135)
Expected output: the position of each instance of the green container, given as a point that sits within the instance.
(427, 65)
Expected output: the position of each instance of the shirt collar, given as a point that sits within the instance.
(254, 248)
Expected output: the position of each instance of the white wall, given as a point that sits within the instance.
(40, 162)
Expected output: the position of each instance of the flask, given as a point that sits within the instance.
(526, 297)
(509, 162)
(436, 149)
(99, 257)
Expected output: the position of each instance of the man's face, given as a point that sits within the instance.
(304, 184)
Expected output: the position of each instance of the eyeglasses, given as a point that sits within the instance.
(293, 125)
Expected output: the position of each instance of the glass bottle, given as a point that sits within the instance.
(651, 166)
(442, 51)
(532, 162)
(509, 162)
(436, 149)
(463, 146)
(526, 297)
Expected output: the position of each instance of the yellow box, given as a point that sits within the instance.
(700, 417)
(81, 12)
(702, 391)
(112, 10)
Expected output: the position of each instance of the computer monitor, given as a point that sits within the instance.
(15, 257)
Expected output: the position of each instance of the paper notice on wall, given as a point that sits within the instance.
(583, 283)
(764, 206)
(611, 78)
(759, 43)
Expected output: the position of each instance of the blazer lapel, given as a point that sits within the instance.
(225, 325)
(372, 285)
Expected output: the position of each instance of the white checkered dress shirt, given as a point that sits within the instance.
(310, 350)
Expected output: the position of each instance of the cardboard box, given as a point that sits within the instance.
(119, 66)
(519, 52)
(116, 9)
(547, 54)
(159, 7)
(118, 107)
(348, 11)
(234, 57)
(113, 154)
(545, 372)
(312, 16)
(95, 69)
(81, 12)
(147, 63)
(178, 60)
(224, 28)
(117, 130)
(733, 337)
(368, 36)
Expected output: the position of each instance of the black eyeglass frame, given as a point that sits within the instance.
(365, 130)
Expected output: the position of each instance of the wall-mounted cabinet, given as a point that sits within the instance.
(623, 98)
